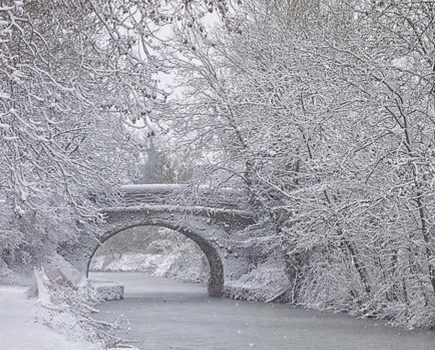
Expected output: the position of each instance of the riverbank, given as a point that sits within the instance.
(179, 266)
(23, 325)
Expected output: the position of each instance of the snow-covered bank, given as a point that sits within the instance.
(52, 308)
(179, 266)
(261, 283)
(107, 290)
(22, 325)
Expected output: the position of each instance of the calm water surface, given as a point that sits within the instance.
(166, 314)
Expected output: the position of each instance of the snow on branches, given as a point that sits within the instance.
(323, 111)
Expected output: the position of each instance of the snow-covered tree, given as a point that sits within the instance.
(76, 77)
(323, 111)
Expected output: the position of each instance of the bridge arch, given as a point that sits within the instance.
(216, 278)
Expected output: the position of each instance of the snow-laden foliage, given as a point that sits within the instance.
(324, 112)
(73, 74)
(57, 140)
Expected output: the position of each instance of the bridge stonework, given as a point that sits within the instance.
(211, 226)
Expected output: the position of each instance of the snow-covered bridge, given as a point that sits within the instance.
(226, 205)
(209, 218)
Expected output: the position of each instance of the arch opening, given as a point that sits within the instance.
(215, 284)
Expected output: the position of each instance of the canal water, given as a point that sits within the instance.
(164, 314)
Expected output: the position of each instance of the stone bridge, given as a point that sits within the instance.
(209, 218)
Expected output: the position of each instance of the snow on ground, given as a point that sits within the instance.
(177, 265)
(22, 328)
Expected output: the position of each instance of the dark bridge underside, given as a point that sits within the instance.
(122, 221)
